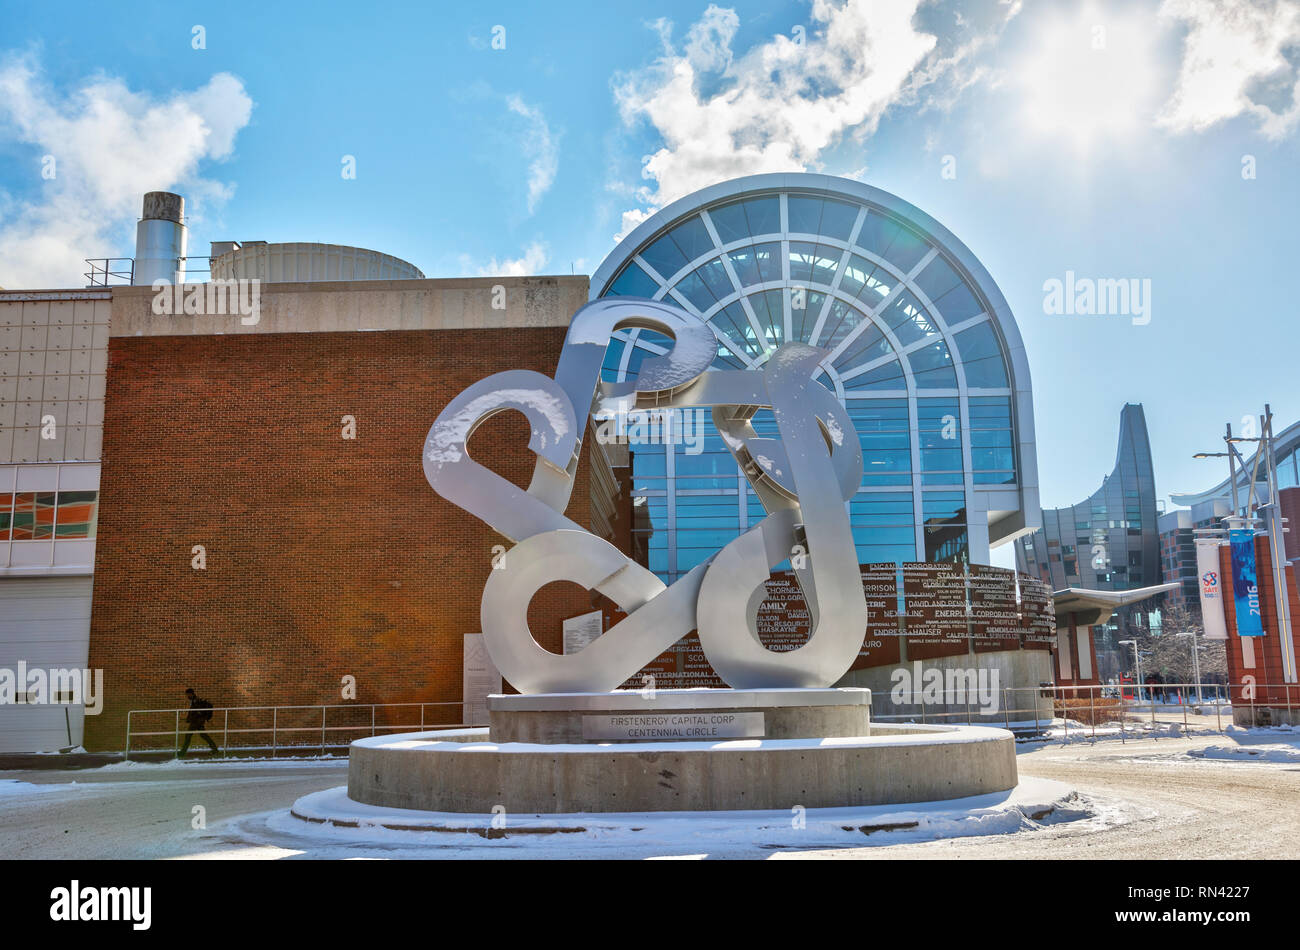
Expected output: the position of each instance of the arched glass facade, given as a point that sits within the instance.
(917, 350)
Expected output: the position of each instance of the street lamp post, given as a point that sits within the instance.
(1196, 662)
(1274, 522)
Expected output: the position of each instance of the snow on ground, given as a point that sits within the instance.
(1268, 744)
(234, 762)
(1260, 744)
(1033, 805)
(1292, 732)
(1259, 753)
(1061, 730)
(12, 788)
(143, 810)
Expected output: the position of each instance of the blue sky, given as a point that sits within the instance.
(1107, 139)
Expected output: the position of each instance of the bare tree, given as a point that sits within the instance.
(1170, 656)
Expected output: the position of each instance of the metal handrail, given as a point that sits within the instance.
(1008, 711)
(1125, 707)
(101, 272)
(104, 272)
(277, 729)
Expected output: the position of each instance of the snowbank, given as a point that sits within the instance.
(331, 818)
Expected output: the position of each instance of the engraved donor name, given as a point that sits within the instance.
(719, 725)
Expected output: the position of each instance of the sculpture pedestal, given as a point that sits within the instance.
(681, 714)
(618, 752)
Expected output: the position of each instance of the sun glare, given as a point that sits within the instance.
(1088, 79)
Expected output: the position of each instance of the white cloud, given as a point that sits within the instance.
(534, 259)
(630, 220)
(541, 147)
(963, 57)
(1234, 64)
(778, 106)
(110, 145)
(708, 42)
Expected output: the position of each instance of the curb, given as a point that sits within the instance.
(34, 761)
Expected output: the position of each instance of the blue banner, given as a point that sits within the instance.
(1245, 584)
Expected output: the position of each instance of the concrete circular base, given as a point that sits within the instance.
(464, 771)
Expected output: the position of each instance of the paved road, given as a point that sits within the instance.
(1148, 799)
(1152, 802)
(148, 811)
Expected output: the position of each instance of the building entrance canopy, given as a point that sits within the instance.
(1095, 606)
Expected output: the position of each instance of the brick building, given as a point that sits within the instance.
(324, 554)
(1257, 676)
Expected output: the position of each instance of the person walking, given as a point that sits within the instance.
(196, 721)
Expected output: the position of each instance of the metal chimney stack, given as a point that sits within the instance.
(160, 240)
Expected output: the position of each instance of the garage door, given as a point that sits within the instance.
(44, 622)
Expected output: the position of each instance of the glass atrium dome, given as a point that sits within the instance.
(921, 349)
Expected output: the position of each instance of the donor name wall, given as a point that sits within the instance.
(915, 611)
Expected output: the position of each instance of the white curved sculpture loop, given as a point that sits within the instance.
(803, 479)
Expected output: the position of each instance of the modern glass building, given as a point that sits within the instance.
(921, 348)
(1108, 541)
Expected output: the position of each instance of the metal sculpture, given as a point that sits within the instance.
(803, 480)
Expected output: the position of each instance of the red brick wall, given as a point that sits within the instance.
(325, 557)
(1268, 670)
(1289, 501)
